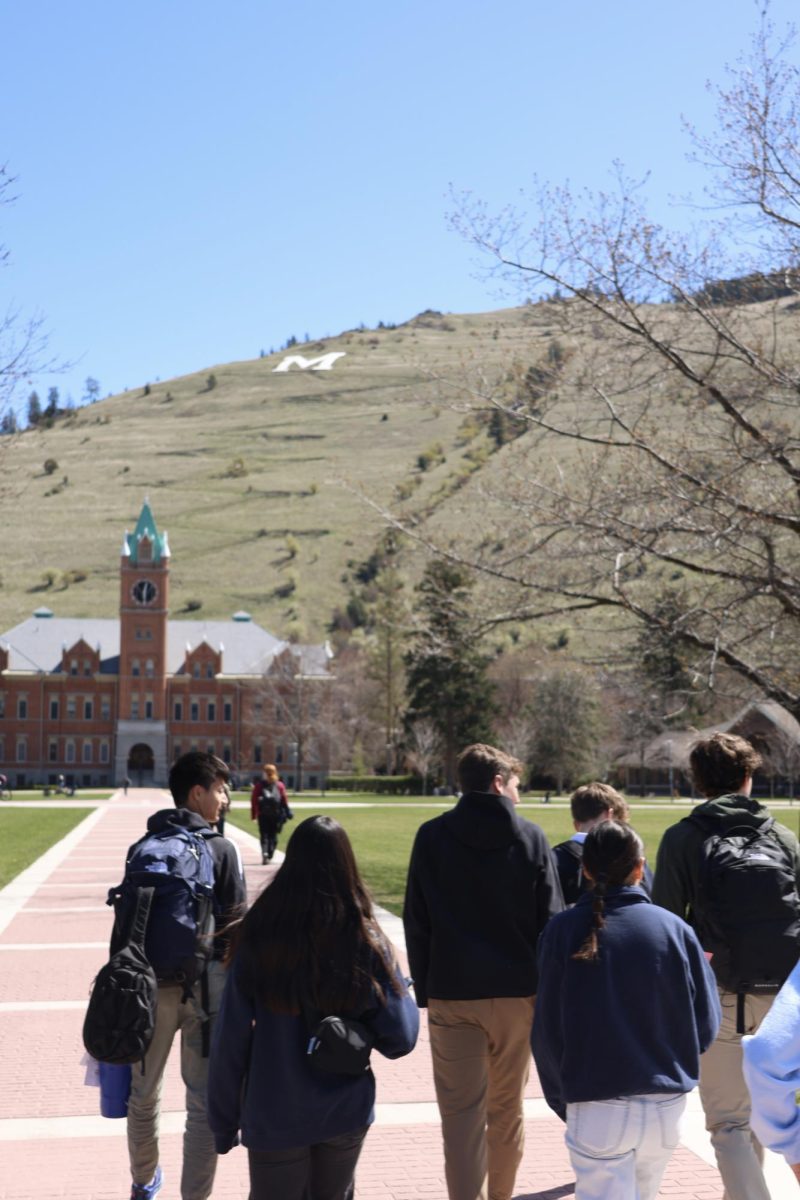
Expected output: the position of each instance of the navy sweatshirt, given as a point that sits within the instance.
(634, 1022)
(260, 1080)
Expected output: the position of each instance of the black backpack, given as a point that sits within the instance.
(747, 909)
(568, 858)
(121, 1016)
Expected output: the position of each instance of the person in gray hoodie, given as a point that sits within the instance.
(722, 768)
(481, 888)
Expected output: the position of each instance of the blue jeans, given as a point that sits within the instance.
(199, 1154)
(619, 1148)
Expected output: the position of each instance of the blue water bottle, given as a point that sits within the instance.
(115, 1087)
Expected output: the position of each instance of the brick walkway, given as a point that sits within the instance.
(54, 930)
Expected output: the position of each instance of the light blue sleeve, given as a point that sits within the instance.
(772, 1071)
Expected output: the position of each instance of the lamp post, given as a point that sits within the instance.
(671, 773)
(293, 754)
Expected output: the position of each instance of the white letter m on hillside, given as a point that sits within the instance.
(323, 363)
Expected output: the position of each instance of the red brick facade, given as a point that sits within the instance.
(94, 716)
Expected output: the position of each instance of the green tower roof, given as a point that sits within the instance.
(146, 528)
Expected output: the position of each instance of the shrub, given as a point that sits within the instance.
(236, 469)
(50, 465)
(382, 785)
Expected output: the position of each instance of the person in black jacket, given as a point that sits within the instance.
(481, 887)
(197, 782)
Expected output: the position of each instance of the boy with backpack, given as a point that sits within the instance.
(589, 804)
(733, 873)
(198, 888)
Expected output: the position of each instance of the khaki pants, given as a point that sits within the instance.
(199, 1153)
(726, 1102)
(481, 1059)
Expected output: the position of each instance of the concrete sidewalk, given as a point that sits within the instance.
(54, 928)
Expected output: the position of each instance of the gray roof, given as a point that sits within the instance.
(37, 644)
(765, 722)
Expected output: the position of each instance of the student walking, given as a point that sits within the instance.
(481, 887)
(309, 947)
(642, 1007)
(197, 782)
(732, 872)
(268, 806)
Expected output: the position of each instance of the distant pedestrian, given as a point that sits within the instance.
(267, 808)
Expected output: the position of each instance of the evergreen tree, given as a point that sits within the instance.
(52, 402)
(9, 422)
(34, 409)
(447, 679)
(390, 623)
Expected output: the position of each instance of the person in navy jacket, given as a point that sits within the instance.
(310, 944)
(626, 1005)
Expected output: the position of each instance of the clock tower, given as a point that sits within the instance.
(143, 614)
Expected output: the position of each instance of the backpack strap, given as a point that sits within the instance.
(138, 927)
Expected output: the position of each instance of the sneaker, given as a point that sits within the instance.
(146, 1191)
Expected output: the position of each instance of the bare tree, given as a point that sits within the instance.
(23, 340)
(663, 446)
(295, 693)
(424, 748)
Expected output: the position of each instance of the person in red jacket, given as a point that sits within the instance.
(267, 806)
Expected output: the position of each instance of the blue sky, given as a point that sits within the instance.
(196, 182)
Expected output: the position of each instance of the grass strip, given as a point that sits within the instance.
(26, 834)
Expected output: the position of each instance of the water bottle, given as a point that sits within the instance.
(115, 1087)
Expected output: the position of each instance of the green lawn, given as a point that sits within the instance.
(382, 836)
(26, 834)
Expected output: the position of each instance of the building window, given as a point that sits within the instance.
(212, 710)
(73, 667)
(210, 748)
(87, 752)
(136, 668)
(176, 752)
(196, 670)
(54, 710)
(69, 752)
(279, 754)
(105, 708)
(2, 706)
(227, 711)
(88, 710)
(105, 752)
(257, 752)
(149, 668)
(52, 750)
(178, 710)
(226, 754)
(148, 710)
(72, 706)
(278, 711)
(134, 707)
(22, 750)
(194, 711)
(209, 671)
(87, 667)
(22, 708)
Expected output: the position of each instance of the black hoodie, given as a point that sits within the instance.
(481, 887)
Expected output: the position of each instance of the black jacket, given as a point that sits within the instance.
(481, 887)
(230, 894)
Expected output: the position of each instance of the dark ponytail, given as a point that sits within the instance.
(610, 854)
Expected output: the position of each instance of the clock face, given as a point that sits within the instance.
(144, 592)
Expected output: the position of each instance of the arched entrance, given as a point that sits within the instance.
(141, 765)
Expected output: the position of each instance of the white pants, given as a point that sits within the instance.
(620, 1148)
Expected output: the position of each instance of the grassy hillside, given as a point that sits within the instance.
(234, 471)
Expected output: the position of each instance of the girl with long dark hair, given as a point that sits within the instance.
(309, 945)
(626, 1005)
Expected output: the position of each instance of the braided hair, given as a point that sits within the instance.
(611, 853)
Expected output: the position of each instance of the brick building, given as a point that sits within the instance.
(98, 699)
